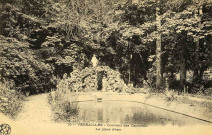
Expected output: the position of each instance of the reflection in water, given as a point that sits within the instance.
(100, 112)
(129, 113)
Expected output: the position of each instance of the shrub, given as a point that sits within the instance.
(208, 91)
(86, 80)
(20, 65)
(64, 105)
(10, 101)
(170, 95)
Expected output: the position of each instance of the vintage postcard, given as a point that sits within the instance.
(104, 67)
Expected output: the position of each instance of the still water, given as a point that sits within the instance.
(123, 112)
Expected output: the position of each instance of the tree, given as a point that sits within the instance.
(189, 34)
(159, 74)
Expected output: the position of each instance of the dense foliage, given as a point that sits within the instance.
(88, 79)
(10, 101)
(41, 40)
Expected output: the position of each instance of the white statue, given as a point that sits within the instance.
(94, 61)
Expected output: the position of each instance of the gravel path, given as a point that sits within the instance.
(36, 118)
(36, 109)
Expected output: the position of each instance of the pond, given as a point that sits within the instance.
(123, 112)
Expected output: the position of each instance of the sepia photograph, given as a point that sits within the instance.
(105, 67)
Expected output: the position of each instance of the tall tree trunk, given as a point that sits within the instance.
(196, 69)
(130, 64)
(1, 28)
(196, 76)
(182, 69)
(159, 76)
